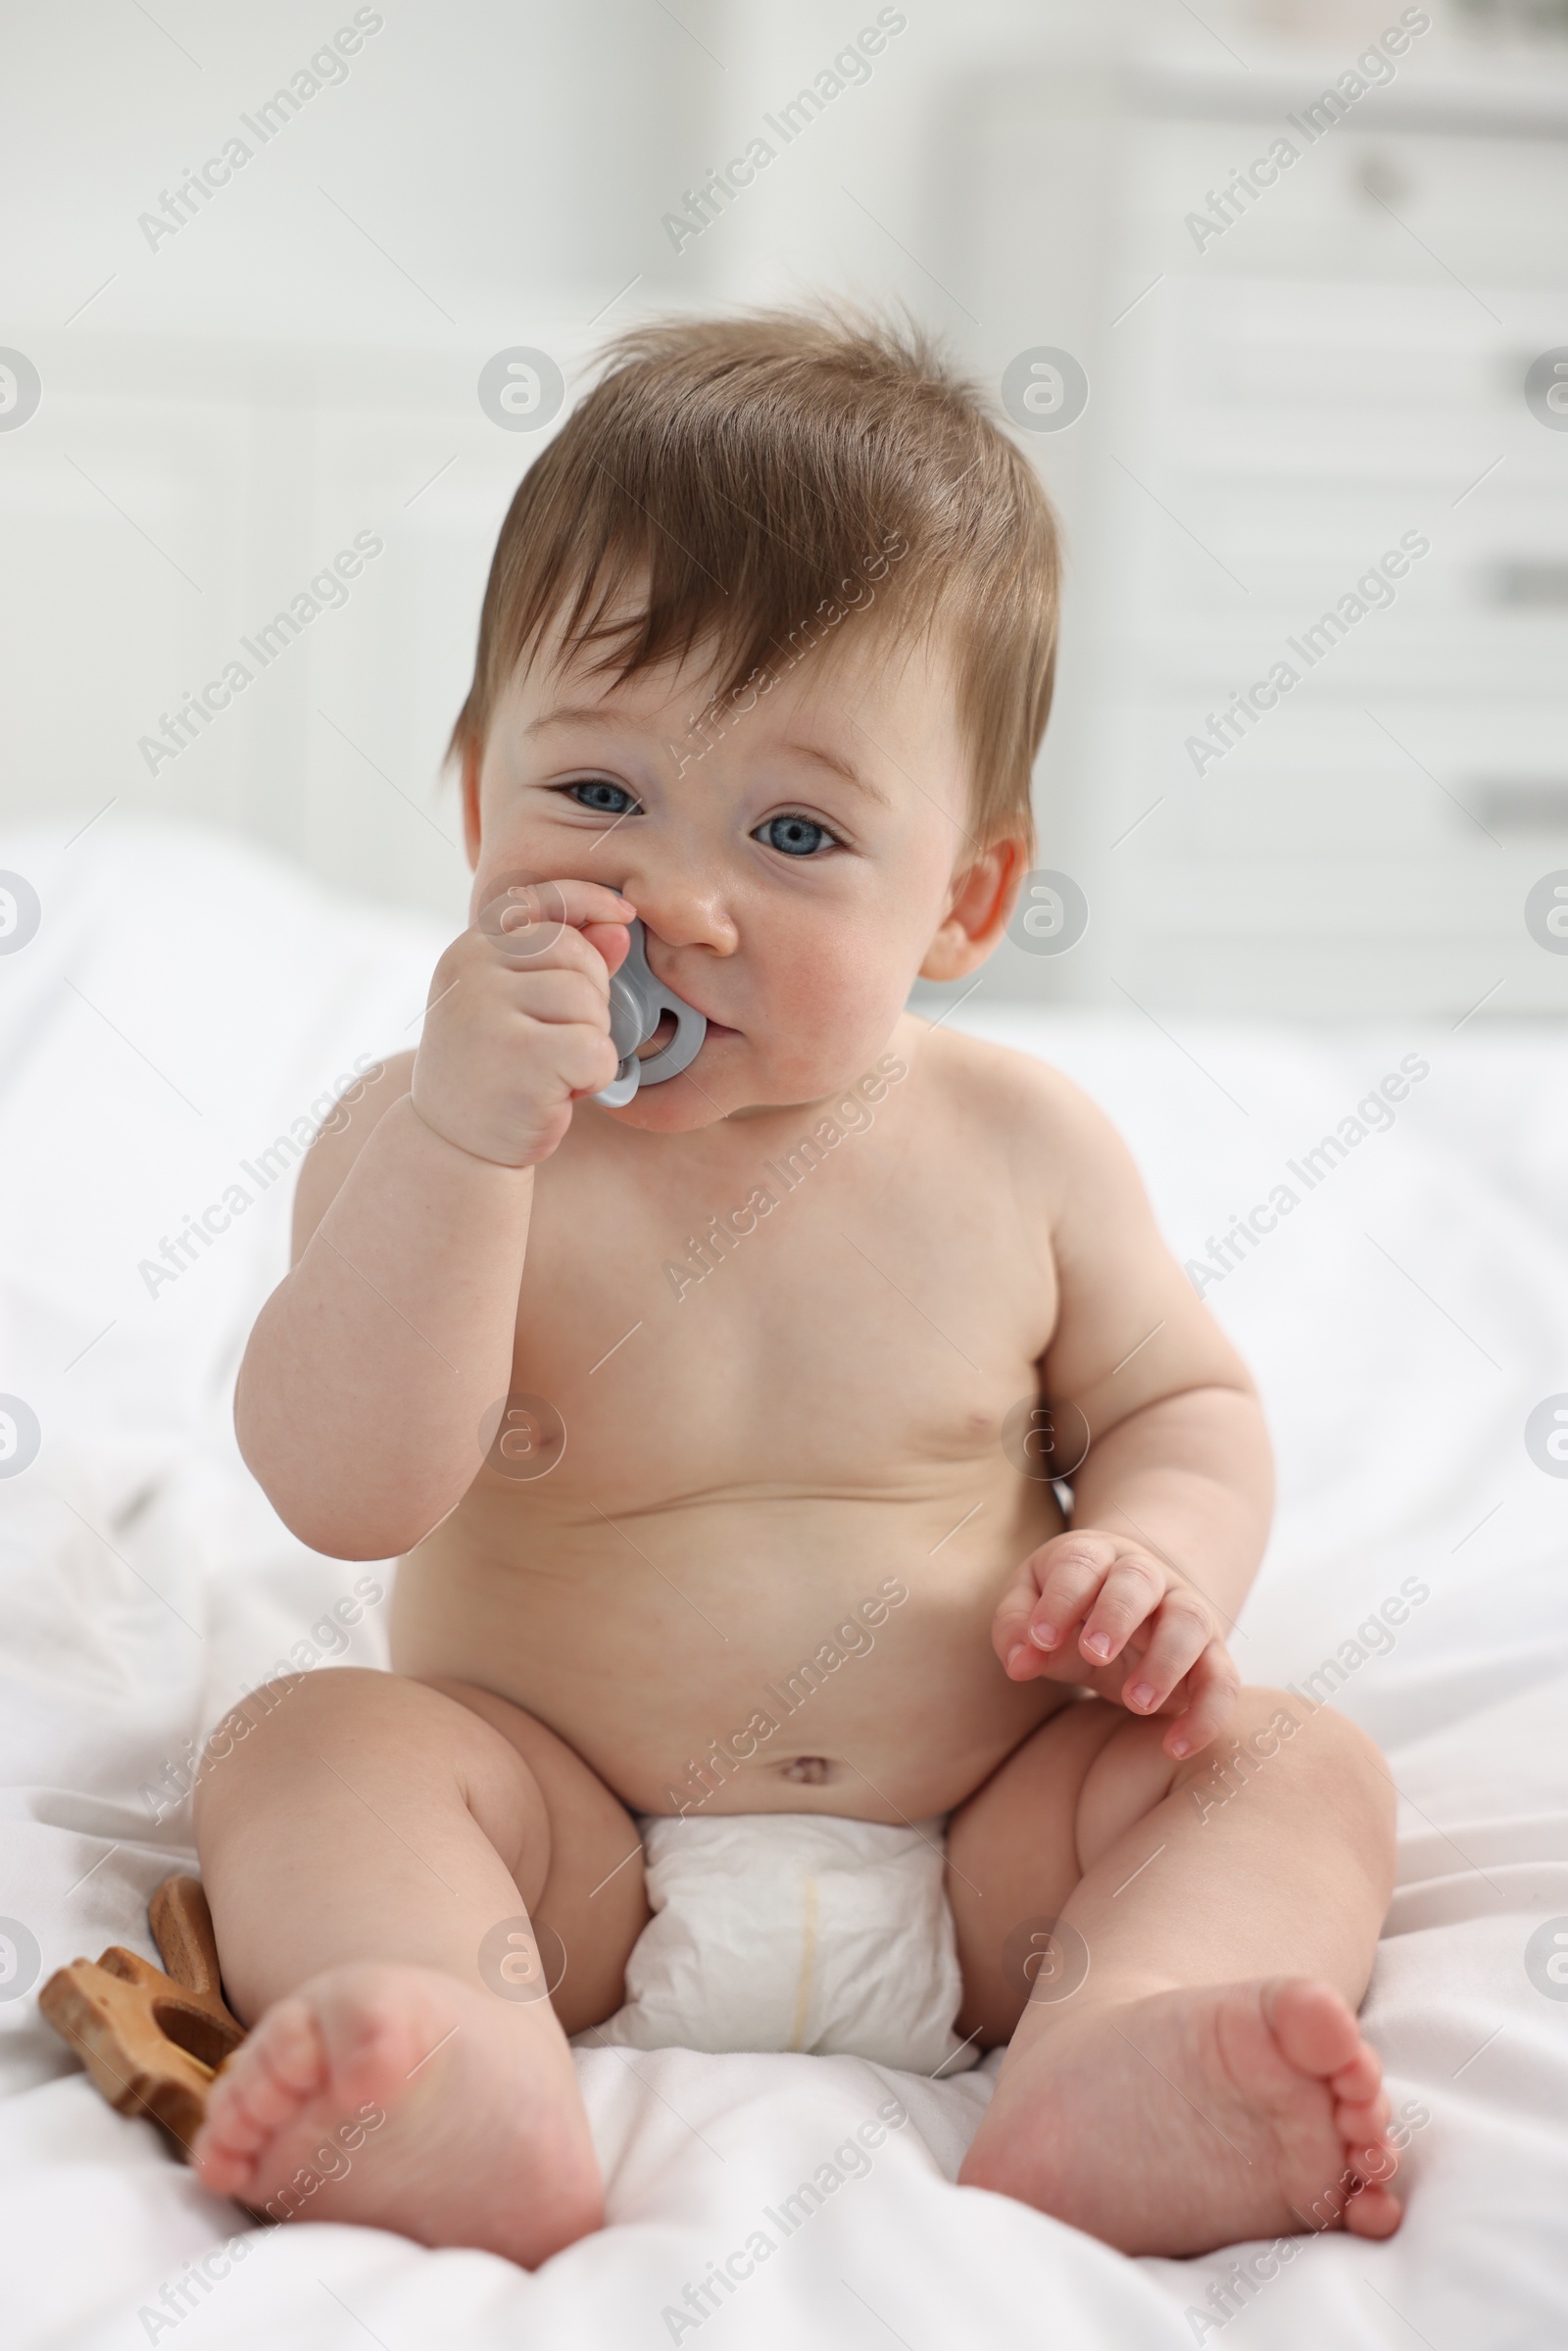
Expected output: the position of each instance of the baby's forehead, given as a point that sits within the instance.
(848, 684)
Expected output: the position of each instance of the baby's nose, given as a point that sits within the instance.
(683, 913)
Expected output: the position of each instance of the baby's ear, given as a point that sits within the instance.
(977, 914)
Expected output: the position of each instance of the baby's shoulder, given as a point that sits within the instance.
(1019, 1107)
(997, 1083)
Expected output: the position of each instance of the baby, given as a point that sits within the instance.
(765, 658)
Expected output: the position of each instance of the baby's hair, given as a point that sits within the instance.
(733, 487)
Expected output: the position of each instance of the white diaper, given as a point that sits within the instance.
(795, 1930)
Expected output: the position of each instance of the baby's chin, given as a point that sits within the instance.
(698, 1097)
(720, 1085)
(677, 1107)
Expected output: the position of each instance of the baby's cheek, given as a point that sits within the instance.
(830, 983)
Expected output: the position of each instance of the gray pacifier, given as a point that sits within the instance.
(637, 1001)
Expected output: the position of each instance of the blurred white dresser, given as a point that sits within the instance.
(1272, 406)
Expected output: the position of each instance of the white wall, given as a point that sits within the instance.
(224, 411)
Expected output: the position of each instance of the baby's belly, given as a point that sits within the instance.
(748, 1654)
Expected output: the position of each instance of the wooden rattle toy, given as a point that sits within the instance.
(151, 2043)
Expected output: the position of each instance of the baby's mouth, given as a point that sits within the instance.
(661, 1036)
(668, 1025)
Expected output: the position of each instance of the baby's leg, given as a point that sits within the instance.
(1188, 2071)
(369, 1850)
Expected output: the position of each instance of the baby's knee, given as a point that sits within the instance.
(1273, 1735)
(1281, 1722)
(281, 1725)
(1280, 1733)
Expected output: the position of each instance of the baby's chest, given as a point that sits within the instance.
(811, 1340)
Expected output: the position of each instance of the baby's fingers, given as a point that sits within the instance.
(1009, 1627)
(514, 901)
(1211, 1702)
(611, 940)
(1071, 1580)
(1045, 1601)
(535, 925)
(1127, 1599)
(1176, 1637)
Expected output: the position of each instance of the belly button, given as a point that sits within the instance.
(813, 1770)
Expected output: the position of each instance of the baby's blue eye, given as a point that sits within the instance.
(793, 836)
(604, 799)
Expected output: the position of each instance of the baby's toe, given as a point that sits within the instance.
(267, 2080)
(283, 2063)
(1358, 2082)
(1313, 2027)
(373, 2037)
(1374, 2213)
(220, 2171)
(288, 2044)
(224, 2151)
(1361, 2125)
(230, 2124)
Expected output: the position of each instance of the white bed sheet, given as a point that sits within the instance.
(183, 1001)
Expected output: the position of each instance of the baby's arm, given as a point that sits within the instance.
(374, 1361)
(1171, 1503)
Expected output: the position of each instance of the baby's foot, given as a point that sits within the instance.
(409, 2100)
(1194, 2119)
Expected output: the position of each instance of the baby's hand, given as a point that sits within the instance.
(518, 1025)
(1126, 1606)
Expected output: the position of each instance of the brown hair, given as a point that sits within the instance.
(737, 478)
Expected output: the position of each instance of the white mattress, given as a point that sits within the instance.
(183, 1001)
